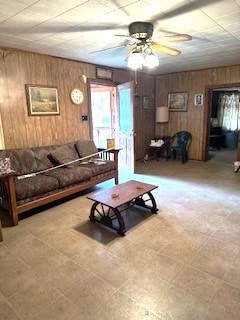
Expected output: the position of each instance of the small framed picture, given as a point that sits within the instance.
(104, 73)
(145, 102)
(198, 99)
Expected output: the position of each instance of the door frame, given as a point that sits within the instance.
(207, 114)
(100, 82)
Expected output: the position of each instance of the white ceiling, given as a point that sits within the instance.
(73, 28)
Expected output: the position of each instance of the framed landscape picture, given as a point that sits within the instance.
(178, 101)
(42, 100)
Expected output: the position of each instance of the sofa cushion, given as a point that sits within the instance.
(29, 187)
(21, 160)
(42, 156)
(86, 148)
(65, 154)
(100, 167)
(69, 176)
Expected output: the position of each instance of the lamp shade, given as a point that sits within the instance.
(162, 114)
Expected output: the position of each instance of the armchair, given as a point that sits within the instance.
(179, 142)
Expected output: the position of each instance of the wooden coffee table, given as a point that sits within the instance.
(108, 204)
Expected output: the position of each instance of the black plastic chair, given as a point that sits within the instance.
(179, 142)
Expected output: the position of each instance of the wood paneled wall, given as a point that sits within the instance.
(195, 119)
(18, 68)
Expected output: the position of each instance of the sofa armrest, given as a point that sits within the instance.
(110, 155)
(8, 194)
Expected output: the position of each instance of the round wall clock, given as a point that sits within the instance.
(76, 96)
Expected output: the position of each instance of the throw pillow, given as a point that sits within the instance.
(65, 154)
(86, 148)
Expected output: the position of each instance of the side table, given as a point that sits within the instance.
(157, 152)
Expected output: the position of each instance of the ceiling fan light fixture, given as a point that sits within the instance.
(151, 61)
(135, 60)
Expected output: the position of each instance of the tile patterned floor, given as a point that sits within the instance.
(180, 264)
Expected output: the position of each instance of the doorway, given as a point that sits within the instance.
(112, 118)
(103, 109)
(221, 143)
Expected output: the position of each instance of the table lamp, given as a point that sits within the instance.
(162, 116)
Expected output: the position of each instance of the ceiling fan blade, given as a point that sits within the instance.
(129, 53)
(84, 27)
(129, 38)
(111, 48)
(164, 49)
(177, 38)
(184, 8)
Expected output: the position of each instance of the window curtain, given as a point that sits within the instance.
(229, 111)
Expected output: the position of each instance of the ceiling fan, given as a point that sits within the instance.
(140, 37)
(140, 33)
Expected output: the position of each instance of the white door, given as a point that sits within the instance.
(125, 135)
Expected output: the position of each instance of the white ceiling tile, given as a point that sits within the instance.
(221, 9)
(229, 19)
(89, 10)
(22, 21)
(116, 4)
(9, 10)
(54, 8)
(232, 27)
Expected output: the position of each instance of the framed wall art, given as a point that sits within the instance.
(178, 101)
(42, 100)
(145, 102)
(198, 99)
(104, 73)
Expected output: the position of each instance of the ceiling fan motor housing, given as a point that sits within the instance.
(141, 30)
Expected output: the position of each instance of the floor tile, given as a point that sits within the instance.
(121, 307)
(223, 249)
(71, 245)
(165, 267)
(37, 226)
(52, 259)
(225, 305)
(141, 283)
(92, 258)
(17, 279)
(67, 275)
(192, 238)
(7, 313)
(211, 263)
(60, 309)
(137, 255)
(116, 271)
(8, 260)
(179, 250)
(89, 294)
(233, 274)
(180, 305)
(200, 284)
(33, 299)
